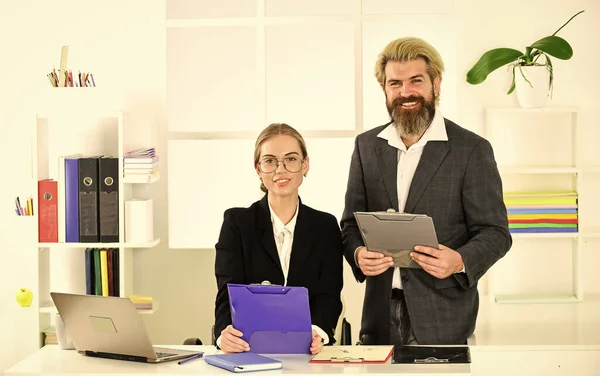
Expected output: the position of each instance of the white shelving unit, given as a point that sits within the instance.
(57, 133)
(527, 173)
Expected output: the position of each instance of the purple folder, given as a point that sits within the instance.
(273, 319)
(71, 200)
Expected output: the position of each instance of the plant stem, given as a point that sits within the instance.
(578, 13)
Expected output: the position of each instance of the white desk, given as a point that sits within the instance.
(486, 360)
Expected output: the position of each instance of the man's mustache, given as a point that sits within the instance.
(401, 100)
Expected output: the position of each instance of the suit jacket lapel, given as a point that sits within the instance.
(265, 231)
(301, 245)
(387, 157)
(433, 155)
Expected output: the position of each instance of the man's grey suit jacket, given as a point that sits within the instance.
(458, 185)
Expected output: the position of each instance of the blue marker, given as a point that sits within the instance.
(197, 356)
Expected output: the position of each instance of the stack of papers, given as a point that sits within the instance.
(541, 211)
(140, 165)
(142, 302)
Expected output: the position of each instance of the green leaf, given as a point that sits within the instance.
(554, 46)
(489, 62)
(512, 85)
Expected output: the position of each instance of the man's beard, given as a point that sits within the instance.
(412, 122)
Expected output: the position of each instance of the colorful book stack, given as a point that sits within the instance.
(142, 302)
(102, 271)
(541, 212)
(140, 165)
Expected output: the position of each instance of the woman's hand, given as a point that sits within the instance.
(317, 343)
(231, 341)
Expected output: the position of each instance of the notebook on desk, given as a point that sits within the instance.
(243, 362)
(110, 327)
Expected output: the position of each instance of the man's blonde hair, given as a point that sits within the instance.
(410, 48)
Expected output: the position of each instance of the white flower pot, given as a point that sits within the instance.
(536, 92)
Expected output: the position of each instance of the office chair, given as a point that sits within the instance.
(192, 341)
(198, 341)
(343, 330)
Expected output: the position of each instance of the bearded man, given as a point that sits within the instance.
(422, 163)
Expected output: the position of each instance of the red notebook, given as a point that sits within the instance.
(48, 211)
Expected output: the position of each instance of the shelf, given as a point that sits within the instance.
(588, 233)
(78, 245)
(534, 110)
(149, 244)
(537, 170)
(535, 299)
(151, 180)
(544, 235)
(49, 307)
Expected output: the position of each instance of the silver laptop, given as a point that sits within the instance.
(396, 234)
(110, 327)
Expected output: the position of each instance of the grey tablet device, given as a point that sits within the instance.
(396, 234)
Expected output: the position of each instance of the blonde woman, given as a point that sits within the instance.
(280, 240)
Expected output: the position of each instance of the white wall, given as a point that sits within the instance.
(124, 44)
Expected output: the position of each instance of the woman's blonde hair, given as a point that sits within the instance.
(410, 48)
(277, 129)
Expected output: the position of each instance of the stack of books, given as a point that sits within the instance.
(542, 211)
(141, 302)
(140, 166)
(102, 271)
(50, 336)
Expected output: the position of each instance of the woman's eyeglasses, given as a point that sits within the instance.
(269, 164)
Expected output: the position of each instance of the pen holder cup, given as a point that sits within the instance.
(63, 338)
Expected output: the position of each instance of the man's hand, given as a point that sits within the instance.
(317, 343)
(372, 263)
(231, 341)
(443, 263)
